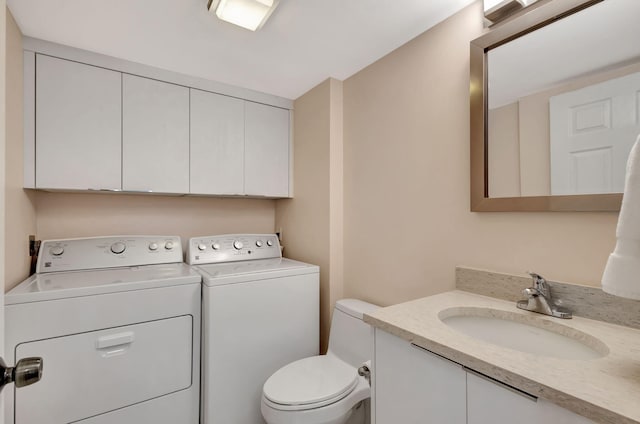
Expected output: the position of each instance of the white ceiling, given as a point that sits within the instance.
(303, 43)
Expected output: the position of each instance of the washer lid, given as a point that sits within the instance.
(310, 381)
(60, 285)
(238, 272)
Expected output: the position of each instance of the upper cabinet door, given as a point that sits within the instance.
(217, 144)
(78, 127)
(266, 160)
(155, 136)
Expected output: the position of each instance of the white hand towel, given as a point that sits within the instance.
(622, 274)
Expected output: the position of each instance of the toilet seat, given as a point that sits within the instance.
(337, 412)
(310, 383)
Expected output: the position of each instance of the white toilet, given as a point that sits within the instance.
(326, 389)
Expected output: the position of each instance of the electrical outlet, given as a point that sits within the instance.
(32, 245)
(34, 248)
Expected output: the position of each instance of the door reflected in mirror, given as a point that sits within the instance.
(563, 104)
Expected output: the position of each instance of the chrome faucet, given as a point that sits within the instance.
(538, 299)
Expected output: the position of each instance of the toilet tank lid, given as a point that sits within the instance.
(354, 307)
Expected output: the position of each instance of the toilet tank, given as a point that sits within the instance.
(350, 338)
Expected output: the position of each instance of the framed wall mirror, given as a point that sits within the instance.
(555, 107)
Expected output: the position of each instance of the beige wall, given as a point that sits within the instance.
(311, 222)
(20, 209)
(78, 215)
(535, 148)
(406, 183)
(504, 151)
(336, 201)
(3, 26)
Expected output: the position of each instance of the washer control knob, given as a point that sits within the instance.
(259, 243)
(237, 245)
(202, 246)
(118, 247)
(168, 245)
(215, 246)
(153, 246)
(269, 242)
(56, 250)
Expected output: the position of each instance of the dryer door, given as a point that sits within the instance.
(92, 373)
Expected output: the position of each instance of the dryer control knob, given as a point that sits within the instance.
(238, 245)
(202, 246)
(215, 246)
(269, 242)
(259, 243)
(153, 246)
(118, 247)
(168, 245)
(56, 250)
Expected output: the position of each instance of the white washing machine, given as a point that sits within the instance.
(260, 312)
(117, 323)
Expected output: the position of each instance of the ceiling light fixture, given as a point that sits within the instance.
(249, 14)
(498, 10)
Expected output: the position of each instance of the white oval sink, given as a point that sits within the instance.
(524, 333)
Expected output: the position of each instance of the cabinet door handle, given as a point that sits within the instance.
(503, 385)
(480, 375)
(422, 349)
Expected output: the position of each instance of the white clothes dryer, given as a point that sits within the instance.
(260, 312)
(117, 323)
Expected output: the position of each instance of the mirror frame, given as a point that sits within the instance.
(533, 17)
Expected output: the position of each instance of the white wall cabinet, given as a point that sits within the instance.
(78, 126)
(415, 386)
(266, 158)
(490, 402)
(238, 147)
(100, 129)
(412, 385)
(217, 144)
(155, 136)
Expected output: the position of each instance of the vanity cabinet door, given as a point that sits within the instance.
(155, 136)
(412, 385)
(266, 154)
(77, 124)
(490, 402)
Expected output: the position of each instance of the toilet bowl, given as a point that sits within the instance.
(325, 389)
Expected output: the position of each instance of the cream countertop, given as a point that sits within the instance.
(605, 390)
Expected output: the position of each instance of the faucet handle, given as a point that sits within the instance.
(540, 284)
(538, 299)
